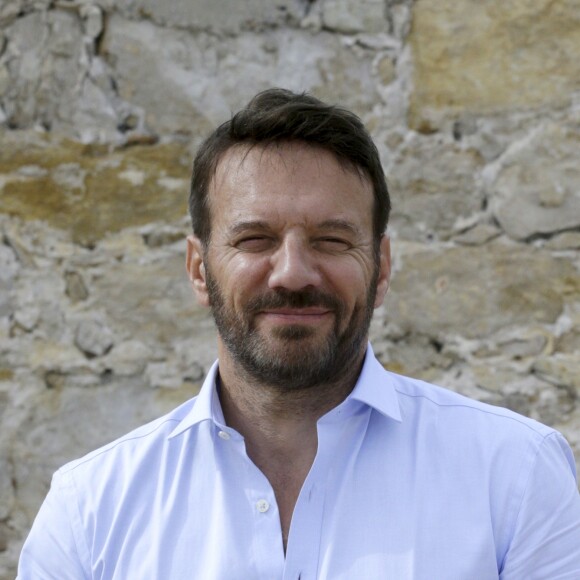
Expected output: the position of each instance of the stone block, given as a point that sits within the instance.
(565, 241)
(76, 289)
(569, 342)
(89, 192)
(11, 9)
(468, 293)
(51, 77)
(415, 356)
(45, 65)
(529, 344)
(560, 369)
(93, 337)
(478, 235)
(163, 375)
(535, 186)
(151, 300)
(187, 84)
(487, 57)
(495, 379)
(350, 16)
(93, 18)
(50, 356)
(128, 358)
(27, 318)
(222, 16)
(429, 196)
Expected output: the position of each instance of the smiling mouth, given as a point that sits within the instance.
(296, 315)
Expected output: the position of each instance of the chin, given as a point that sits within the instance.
(294, 332)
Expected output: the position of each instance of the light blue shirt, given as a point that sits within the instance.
(410, 481)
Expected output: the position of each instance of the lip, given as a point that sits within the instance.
(296, 315)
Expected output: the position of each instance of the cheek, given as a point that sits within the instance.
(246, 276)
(350, 280)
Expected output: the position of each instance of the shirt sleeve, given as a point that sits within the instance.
(546, 539)
(53, 547)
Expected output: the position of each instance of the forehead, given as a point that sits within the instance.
(289, 181)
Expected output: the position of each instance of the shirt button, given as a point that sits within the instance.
(262, 505)
(223, 435)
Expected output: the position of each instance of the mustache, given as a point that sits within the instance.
(282, 298)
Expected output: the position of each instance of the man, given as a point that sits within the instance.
(302, 458)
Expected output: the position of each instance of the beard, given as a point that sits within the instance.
(292, 358)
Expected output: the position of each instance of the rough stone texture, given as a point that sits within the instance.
(491, 57)
(466, 292)
(560, 369)
(46, 58)
(478, 235)
(475, 109)
(565, 241)
(349, 17)
(536, 190)
(216, 15)
(428, 199)
(200, 78)
(104, 190)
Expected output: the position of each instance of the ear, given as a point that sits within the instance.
(196, 269)
(384, 270)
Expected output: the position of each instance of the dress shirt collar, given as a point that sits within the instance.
(373, 388)
(206, 406)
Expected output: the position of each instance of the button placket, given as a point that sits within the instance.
(303, 549)
(267, 550)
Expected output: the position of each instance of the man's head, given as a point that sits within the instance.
(279, 116)
(291, 257)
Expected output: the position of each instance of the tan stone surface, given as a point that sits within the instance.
(465, 292)
(488, 57)
(349, 17)
(159, 291)
(565, 241)
(569, 342)
(90, 191)
(536, 189)
(560, 369)
(222, 16)
(204, 80)
(428, 196)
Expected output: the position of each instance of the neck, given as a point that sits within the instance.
(272, 418)
(279, 426)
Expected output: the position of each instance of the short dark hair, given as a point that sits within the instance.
(281, 116)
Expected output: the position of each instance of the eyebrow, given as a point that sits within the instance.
(329, 225)
(341, 225)
(244, 226)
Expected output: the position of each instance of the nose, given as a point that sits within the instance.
(293, 266)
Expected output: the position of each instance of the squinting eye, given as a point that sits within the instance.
(332, 244)
(254, 244)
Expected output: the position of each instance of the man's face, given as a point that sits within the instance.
(290, 272)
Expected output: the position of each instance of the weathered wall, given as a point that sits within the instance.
(475, 107)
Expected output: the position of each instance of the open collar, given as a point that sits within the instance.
(373, 388)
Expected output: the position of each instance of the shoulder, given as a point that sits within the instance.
(460, 431)
(461, 413)
(143, 444)
(480, 444)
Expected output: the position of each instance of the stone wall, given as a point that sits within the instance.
(475, 107)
